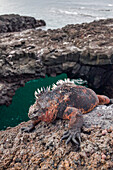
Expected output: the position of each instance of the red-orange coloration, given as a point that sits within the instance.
(84, 91)
(103, 99)
(66, 101)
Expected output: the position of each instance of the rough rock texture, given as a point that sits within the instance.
(84, 50)
(101, 115)
(15, 23)
(42, 149)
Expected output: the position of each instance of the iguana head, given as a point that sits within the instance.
(35, 111)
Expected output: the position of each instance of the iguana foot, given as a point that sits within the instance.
(31, 127)
(75, 125)
(28, 129)
(74, 137)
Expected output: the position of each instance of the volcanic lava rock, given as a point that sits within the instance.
(81, 51)
(42, 149)
(15, 23)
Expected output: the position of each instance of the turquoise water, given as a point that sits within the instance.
(24, 97)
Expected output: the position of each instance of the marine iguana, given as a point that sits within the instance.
(65, 101)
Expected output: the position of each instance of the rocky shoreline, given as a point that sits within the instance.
(83, 51)
(15, 23)
(43, 150)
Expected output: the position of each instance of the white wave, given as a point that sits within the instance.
(82, 7)
(72, 13)
(69, 12)
(110, 4)
(98, 18)
(60, 11)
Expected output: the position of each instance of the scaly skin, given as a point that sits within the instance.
(66, 101)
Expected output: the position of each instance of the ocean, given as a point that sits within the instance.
(60, 13)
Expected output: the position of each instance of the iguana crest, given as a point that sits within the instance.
(43, 90)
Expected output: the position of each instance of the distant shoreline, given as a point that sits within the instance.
(16, 23)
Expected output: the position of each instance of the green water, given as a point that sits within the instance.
(24, 97)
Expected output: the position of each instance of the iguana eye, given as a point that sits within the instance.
(35, 112)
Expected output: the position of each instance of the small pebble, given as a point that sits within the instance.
(103, 156)
(104, 132)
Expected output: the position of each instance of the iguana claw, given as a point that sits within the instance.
(27, 129)
(72, 136)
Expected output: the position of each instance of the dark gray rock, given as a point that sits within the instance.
(83, 50)
(15, 23)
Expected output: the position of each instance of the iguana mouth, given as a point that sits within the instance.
(34, 118)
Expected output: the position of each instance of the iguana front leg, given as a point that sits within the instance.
(49, 116)
(31, 127)
(75, 125)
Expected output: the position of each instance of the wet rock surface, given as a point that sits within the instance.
(43, 150)
(83, 50)
(15, 23)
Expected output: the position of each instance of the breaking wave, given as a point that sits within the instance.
(60, 11)
(110, 4)
(65, 12)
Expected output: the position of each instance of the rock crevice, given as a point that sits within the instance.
(81, 51)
